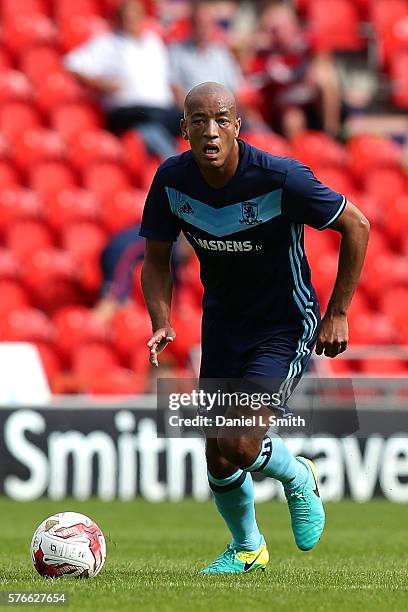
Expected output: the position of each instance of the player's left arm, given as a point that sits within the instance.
(354, 229)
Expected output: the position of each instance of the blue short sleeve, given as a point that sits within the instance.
(158, 222)
(306, 200)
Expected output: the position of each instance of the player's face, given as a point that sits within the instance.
(211, 126)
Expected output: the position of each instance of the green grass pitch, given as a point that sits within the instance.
(155, 551)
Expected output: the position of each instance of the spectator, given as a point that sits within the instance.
(129, 70)
(118, 260)
(297, 87)
(201, 58)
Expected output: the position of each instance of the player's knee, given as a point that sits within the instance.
(236, 450)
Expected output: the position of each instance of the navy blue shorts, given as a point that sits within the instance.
(263, 359)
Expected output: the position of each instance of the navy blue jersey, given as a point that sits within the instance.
(248, 235)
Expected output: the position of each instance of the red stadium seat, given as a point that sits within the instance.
(25, 324)
(16, 118)
(371, 328)
(12, 296)
(71, 120)
(267, 141)
(10, 266)
(8, 176)
(23, 7)
(40, 60)
(369, 152)
(378, 243)
(135, 155)
(94, 146)
(388, 19)
(51, 275)
(369, 205)
(5, 61)
(57, 88)
(19, 203)
(4, 147)
(140, 365)
(51, 177)
(94, 359)
(70, 205)
(316, 149)
(359, 304)
(393, 304)
(342, 367)
(84, 240)
(384, 13)
(396, 215)
(130, 328)
(118, 381)
(386, 185)
(189, 320)
(149, 171)
(385, 366)
(37, 145)
(125, 208)
(52, 278)
(382, 270)
(50, 361)
(90, 276)
(74, 30)
(67, 8)
(14, 85)
(338, 179)
(76, 324)
(105, 179)
(334, 25)
(399, 80)
(47, 265)
(23, 30)
(25, 237)
(183, 145)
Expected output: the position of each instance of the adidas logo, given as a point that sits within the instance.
(186, 209)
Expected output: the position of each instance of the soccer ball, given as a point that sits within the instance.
(68, 545)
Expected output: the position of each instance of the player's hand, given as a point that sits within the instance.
(159, 341)
(333, 335)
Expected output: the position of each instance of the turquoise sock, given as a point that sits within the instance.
(234, 498)
(276, 461)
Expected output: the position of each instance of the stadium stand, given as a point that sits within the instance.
(66, 185)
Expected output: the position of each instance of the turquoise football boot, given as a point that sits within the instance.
(235, 561)
(306, 509)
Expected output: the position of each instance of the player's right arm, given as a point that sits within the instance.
(157, 291)
(160, 228)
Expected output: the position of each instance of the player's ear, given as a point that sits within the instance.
(183, 129)
(237, 126)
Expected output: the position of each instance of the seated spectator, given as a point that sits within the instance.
(129, 70)
(201, 58)
(117, 262)
(297, 87)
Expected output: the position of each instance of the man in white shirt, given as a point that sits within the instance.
(202, 59)
(129, 69)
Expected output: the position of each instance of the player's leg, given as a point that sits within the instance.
(233, 492)
(282, 365)
(232, 488)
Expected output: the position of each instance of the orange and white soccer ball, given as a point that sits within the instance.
(68, 545)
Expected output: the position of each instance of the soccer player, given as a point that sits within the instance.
(243, 211)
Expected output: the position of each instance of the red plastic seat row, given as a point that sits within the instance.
(389, 19)
(334, 25)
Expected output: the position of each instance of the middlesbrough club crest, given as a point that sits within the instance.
(249, 212)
